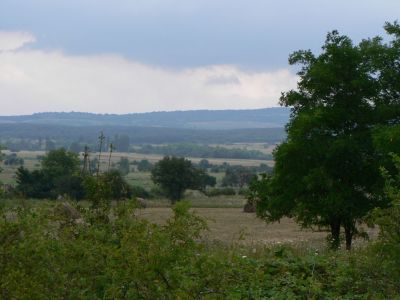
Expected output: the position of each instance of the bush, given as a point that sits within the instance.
(139, 192)
(59, 175)
(108, 186)
(71, 252)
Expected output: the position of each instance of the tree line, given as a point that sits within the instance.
(63, 175)
(203, 151)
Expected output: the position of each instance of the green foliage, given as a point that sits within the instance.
(140, 192)
(59, 163)
(224, 167)
(386, 141)
(59, 175)
(204, 164)
(71, 252)
(388, 220)
(238, 176)
(35, 184)
(144, 166)
(108, 186)
(13, 160)
(327, 170)
(204, 180)
(72, 186)
(174, 175)
(375, 269)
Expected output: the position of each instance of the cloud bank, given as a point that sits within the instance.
(14, 40)
(38, 80)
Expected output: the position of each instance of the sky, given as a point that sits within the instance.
(126, 56)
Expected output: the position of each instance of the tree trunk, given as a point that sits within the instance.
(349, 232)
(335, 233)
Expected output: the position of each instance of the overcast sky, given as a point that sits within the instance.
(126, 56)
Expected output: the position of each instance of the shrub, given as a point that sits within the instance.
(139, 192)
(70, 252)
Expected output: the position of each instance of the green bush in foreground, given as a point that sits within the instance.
(72, 252)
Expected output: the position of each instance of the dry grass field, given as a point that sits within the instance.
(232, 225)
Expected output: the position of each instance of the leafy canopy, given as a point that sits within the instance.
(59, 175)
(175, 175)
(327, 170)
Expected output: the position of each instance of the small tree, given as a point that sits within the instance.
(144, 166)
(204, 164)
(60, 163)
(175, 175)
(204, 180)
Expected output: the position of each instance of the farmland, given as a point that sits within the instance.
(31, 161)
(205, 240)
(224, 214)
(231, 225)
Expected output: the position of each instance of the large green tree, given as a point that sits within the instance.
(175, 175)
(327, 170)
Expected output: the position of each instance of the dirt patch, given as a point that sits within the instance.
(233, 225)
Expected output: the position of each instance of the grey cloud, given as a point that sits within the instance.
(253, 34)
(35, 80)
(222, 80)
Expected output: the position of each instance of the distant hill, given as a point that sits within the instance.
(64, 135)
(32, 132)
(275, 117)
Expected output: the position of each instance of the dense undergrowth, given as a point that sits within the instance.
(63, 251)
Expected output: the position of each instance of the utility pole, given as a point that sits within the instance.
(101, 140)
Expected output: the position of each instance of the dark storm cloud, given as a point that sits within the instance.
(250, 34)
